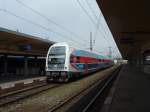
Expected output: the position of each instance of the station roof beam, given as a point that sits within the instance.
(129, 22)
(16, 43)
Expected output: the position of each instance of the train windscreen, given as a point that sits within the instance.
(56, 58)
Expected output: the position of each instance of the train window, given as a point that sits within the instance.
(56, 61)
(90, 66)
(73, 59)
(57, 51)
(84, 66)
(78, 59)
(81, 66)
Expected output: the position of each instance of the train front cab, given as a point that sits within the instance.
(57, 63)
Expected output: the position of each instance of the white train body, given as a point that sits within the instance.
(64, 62)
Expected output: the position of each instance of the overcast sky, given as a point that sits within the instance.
(60, 21)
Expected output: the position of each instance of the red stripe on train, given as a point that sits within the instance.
(82, 59)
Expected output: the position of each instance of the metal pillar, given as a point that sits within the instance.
(35, 61)
(142, 62)
(36, 69)
(26, 70)
(5, 65)
(91, 43)
(146, 66)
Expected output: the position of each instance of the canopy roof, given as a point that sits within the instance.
(16, 43)
(129, 22)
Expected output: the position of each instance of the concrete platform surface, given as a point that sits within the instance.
(14, 86)
(12, 78)
(132, 92)
(25, 81)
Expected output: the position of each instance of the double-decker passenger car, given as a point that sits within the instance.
(64, 62)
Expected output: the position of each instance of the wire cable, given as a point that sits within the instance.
(91, 19)
(98, 21)
(48, 19)
(92, 10)
(38, 25)
(104, 35)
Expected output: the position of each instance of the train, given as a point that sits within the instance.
(64, 62)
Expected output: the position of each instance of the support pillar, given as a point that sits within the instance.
(36, 70)
(146, 66)
(142, 62)
(5, 65)
(26, 70)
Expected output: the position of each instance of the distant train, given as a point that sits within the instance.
(64, 62)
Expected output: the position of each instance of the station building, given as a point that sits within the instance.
(21, 55)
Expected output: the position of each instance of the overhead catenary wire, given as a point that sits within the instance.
(38, 25)
(85, 11)
(91, 19)
(98, 22)
(95, 35)
(61, 35)
(92, 10)
(89, 5)
(50, 20)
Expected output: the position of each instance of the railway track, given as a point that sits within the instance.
(22, 94)
(97, 101)
(62, 106)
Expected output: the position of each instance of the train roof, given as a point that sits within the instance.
(85, 51)
(82, 52)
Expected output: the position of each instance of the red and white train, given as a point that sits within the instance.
(64, 62)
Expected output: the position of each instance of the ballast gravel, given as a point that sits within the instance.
(45, 100)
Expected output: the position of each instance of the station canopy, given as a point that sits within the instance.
(129, 22)
(16, 43)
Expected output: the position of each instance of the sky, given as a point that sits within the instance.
(68, 21)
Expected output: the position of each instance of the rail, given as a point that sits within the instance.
(82, 93)
(22, 94)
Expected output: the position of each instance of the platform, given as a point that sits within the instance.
(132, 93)
(13, 78)
(8, 87)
